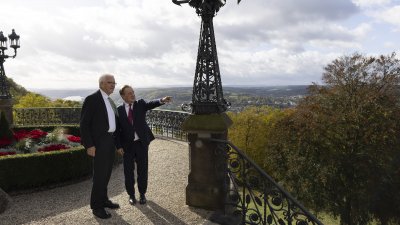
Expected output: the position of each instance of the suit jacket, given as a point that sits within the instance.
(94, 120)
(126, 129)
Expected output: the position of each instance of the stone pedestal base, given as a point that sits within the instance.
(207, 182)
(6, 106)
(207, 178)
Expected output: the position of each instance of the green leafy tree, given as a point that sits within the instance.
(340, 148)
(16, 90)
(33, 100)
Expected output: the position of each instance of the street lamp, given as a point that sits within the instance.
(207, 178)
(6, 102)
(14, 43)
(207, 96)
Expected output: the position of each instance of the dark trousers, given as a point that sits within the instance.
(102, 168)
(138, 153)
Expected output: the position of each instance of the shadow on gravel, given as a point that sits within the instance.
(37, 205)
(158, 215)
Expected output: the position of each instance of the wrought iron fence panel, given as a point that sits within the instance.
(163, 122)
(46, 116)
(255, 197)
(167, 123)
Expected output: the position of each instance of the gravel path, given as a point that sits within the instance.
(168, 172)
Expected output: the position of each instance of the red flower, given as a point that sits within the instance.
(5, 141)
(6, 153)
(36, 134)
(73, 138)
(21, 134)
(50, 148)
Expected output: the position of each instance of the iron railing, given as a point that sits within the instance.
(252, 194)
(167, 123)
(254, 197)
(46, 116)
(164, 123)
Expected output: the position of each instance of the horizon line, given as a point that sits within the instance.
(59, 89)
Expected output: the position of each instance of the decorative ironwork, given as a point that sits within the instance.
(165, 123)
(207, 96)
(28, 117)
(255, 197)
(186, 107)
(14, 43)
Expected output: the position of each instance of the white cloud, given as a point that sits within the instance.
(274, 67)
(68, 44)
(371, 3)
(390, 15)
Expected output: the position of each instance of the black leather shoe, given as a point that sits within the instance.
(132, 200)
(142, 199)
(109, 204)
(101, 213)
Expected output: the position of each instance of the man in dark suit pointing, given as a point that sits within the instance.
(135, 137)
(98, 126)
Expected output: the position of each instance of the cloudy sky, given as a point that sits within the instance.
(67, 44)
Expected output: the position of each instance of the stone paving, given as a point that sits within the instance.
(168, 172)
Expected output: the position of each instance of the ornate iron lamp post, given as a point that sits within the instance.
(207, 96)
(5, 96)
(207, 180)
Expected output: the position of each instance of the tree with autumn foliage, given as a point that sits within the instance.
(339, 151)
(250, 129)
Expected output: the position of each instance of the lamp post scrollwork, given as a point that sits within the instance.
(14, 43)
(207, 96)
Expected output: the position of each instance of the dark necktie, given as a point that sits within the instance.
(130, 114)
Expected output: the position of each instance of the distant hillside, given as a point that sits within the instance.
(239, 97)
(279, 96)
(16, 90)
(270, 91)
(64, 93)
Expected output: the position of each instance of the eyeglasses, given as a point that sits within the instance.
(109, 82)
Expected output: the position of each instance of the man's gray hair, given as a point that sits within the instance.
(103, 77)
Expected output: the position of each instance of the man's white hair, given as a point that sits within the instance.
(103, 77)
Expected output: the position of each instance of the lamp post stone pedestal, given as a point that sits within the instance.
(207, 179)
(6, 107)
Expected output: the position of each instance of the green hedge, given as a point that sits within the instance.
(24, 171)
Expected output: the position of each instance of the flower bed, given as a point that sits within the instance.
(36, 140)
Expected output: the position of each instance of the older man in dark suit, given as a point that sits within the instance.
(135, 137)
(98, 126)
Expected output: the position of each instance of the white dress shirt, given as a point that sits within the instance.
(110, 113)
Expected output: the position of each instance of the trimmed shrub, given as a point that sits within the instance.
(24, 171)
